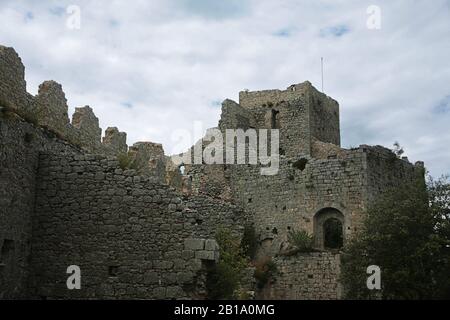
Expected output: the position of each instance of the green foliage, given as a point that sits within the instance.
(224, 278)
(301, 240)
(125, 161)
(265, 270)
(406, 233)
(249, 243)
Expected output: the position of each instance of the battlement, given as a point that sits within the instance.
(301, 112)
(248, 99)
(49, 109)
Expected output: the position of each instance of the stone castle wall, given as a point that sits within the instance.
(20, 145)
(65, 199)
(307, 276)
(125, 231)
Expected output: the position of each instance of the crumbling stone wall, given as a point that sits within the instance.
(20, 145)
(13, 94)
(125, 231)
(86, 122)
(290, 200)
(115, 142)
(148, 158)
(385, 171)
(52, 109)
(235, 116)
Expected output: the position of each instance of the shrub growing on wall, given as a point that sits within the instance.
(301, 240)
(224, 278)
(265, 270)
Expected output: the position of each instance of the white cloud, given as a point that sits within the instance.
(152, 67)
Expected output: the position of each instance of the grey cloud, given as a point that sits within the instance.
(212, 9)
(172, 61)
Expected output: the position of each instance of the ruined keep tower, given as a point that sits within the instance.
(320, 187)
(301, 113)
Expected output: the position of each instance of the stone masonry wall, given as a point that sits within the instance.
(324, 115)
(127, 232)
(291, 199)
(52, 109)
(12, 82)
(306, 276)
(20, 145)
(320, 118)
(386, 171)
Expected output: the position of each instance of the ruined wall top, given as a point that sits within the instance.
(13, 92)
(52, 109)
(49, 109)
(114, 141)
(257, 98)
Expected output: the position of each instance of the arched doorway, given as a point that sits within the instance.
(329, 229)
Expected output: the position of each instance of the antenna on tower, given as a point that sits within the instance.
(321, 63)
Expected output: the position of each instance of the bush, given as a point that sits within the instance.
(265, 270)
(301, 240)
(125, 161)
(223, 279)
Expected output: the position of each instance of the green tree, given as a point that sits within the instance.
(406, 233)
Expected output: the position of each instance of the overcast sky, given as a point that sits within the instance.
(152, 67)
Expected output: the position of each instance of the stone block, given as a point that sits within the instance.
(194, 244)
(211, 244)
(205, 255)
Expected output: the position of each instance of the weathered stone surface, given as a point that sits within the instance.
(211, 245)
(145, 230)
(52, 109)
(194, 244)
(115, 142)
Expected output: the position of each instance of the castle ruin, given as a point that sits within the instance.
(139, 228)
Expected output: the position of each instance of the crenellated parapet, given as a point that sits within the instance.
(114, 141)
(13, 92)
(87, 123)
(51, 108)
(149, 159)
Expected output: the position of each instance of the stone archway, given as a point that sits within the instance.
(329, 229)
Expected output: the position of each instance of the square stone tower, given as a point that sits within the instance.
(301, 113)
